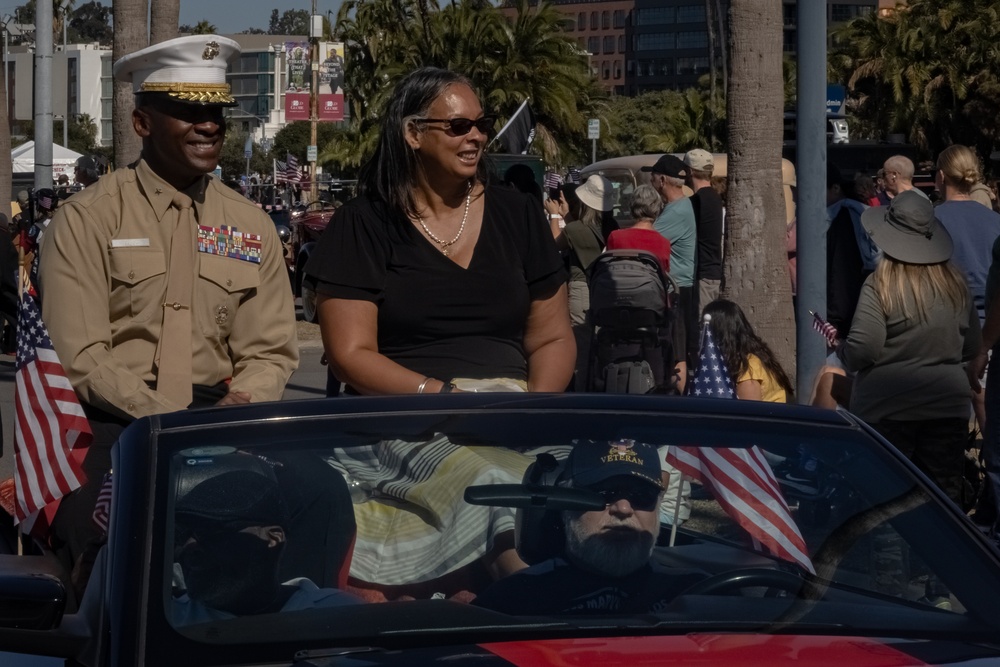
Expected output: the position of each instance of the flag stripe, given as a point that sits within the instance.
(740, 479)
(746, 497)
(51, 432)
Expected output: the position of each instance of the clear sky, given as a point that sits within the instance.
(228, 16)
(231, 16)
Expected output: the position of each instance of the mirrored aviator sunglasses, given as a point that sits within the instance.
(462, 126)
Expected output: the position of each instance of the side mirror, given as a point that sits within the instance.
(32, 597)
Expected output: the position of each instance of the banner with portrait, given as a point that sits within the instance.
(331, 81)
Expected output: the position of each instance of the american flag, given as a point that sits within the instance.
(552, 180)
(102, 509)
(51, 432)
(291, 169)
(740, 479)
(825, 328)
(711, 377)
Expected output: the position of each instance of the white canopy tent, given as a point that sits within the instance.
(63, 159)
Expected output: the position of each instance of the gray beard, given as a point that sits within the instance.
(615, 558)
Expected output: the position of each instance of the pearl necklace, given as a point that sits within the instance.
(446, 244)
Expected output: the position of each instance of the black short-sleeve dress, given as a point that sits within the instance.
(434, 317)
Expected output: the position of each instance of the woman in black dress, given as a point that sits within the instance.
(432, 278)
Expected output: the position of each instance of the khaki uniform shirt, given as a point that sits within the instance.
(103, 281)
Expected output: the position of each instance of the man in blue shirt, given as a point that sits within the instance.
(677, 224)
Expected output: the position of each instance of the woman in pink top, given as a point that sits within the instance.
(645, 207)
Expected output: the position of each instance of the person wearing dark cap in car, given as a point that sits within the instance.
(87, 171)
(604, 567)
(230, 532)
(163, 289)
(677, 224)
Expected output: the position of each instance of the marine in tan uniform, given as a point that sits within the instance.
(119, 290)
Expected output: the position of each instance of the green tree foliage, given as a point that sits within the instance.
(204, 28)
(91, 22)
(81, 133)
(665, 121)
(931, 72)
(291, 22)
(294, 138)
(529, 58)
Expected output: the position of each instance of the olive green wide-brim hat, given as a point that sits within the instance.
(908, 231)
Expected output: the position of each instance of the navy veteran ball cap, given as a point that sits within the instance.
(189, 69)
(593, 462)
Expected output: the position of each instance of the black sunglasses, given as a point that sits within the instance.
(644, 499)
(462, 126)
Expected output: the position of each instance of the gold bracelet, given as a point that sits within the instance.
(423, 384)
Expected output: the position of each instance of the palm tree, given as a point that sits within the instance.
(756, 271)
(204, 27)
(164, 17)
(130, 36)
(61, 9)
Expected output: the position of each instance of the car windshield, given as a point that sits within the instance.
(381, 528)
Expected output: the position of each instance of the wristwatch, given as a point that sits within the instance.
(446, 388)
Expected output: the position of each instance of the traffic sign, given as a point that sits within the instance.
(594, 128)
(311, 153)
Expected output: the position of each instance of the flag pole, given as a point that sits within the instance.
(677, 506)
(509, 121)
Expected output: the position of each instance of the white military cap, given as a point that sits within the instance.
(189, 69)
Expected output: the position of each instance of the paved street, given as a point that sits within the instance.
(309, 381)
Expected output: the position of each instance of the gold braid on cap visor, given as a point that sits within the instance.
(206, 93)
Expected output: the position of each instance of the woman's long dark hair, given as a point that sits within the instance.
(737, 340)
(391, 173)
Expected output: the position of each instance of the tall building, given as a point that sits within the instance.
(599, 27)
(669, 45)
(838, 13)
(256, 79)
(635, 46)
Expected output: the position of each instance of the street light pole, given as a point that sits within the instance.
(314, 97)
(66, 86)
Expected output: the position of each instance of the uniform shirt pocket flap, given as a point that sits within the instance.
(133, 265)
(232, 275)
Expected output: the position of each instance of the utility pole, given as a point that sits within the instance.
(66, 60)
(315, 32)
(810, 166)
(43, 95)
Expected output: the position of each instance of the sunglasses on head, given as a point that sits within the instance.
(462, 126)
(642, 498)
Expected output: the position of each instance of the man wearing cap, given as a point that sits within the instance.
(230, 533)
(677, 224)
(162, 289)
(604, 567)
(707, 205)
(86, 171)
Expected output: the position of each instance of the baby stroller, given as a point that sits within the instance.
(631, 319)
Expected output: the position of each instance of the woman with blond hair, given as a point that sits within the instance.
(914, 326)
